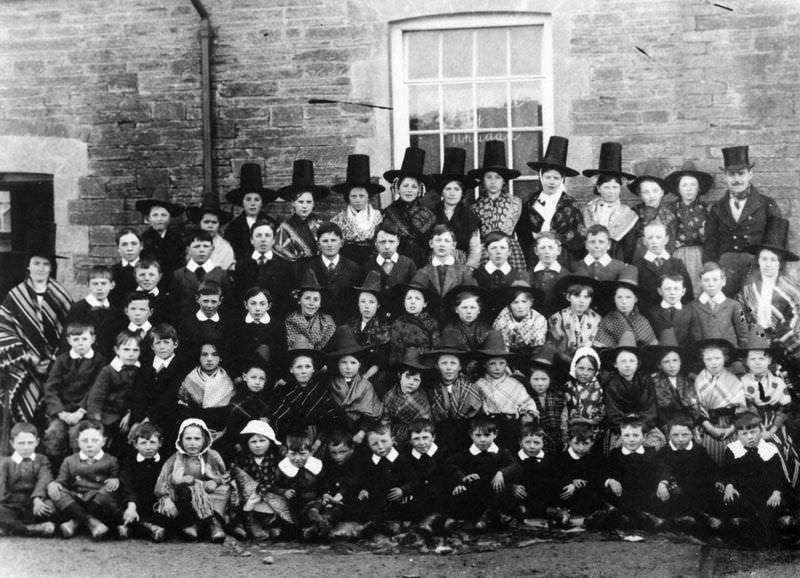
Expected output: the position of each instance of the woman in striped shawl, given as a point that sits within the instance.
(31, 322)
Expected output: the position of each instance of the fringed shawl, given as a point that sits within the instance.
(202, 390)
(463, 400)
(358, 399)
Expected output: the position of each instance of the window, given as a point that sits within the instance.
(462, 80)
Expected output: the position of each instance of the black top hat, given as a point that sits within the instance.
(454, 169)
(736, 158)
(610, 162)
(774, 240)
(413, 166)
(39, 240)
(358, 175)
(649, 173)
(210, 204)
(555, 158)
(412, 359)
(250, 182)
(160, 198)
(673, 180)
(344, 342)
(303, 182)
(494, 160)
(450, 344)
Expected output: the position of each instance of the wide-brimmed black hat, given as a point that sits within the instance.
(775, 239)
(344, 342)
(628, 278)
(250, 181)
(449, 299)
(160, 198)
(756, 340)
(627, 342)
(545, 357)
(303, 182)
(555, 158)
(370, 284)
(413, 166)
(454, 169)
(358, 176)
(412, 358)
(704, 180)
(494, 346)
(302, 346)
(210, 205)
(567, 281)
(450, 344)
(650, 172)
(503, 296)
(494, 160)
(308, 282)
(735, 158)
(610, 162)
(667, 343)
(399, 291)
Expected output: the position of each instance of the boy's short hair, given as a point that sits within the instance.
(581, 431)
(482, 424)
(164, 331)
(209, 287)
(197, 234)
(671, 277)
(147, 263)
(23, 427)
(328, 227)
(100, 272)
(632, 421)
(598, 229)
(494, 237)
(378, 427)
(442, 229)
(126, 335)
(746, 420)
(421, 425)
(339, 437)
(530, 429)
(299, 441)
(78, 327)
(127, 231)
(138, 296)
(264, 222)
(145, 430)
(389, 228)
(255, 290)
(710, 266)
(548, 235)
(89, 423)
(680, 419)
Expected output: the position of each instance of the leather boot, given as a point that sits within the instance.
(651, 522)
(559, 515)
(321, 522)
(430, 526)
(97, 529)
(68, 529)
(189, 533)
(215, 532)
(43, 530)
(153, 532)
(254, 529)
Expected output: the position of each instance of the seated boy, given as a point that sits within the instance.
(96, 310)
(300, 480)
(428, 460)
(547, 270)
(533, 478)
(65, 390)
(86, 488)
(394, 268)
(671, 312)
(497, 271)
(687, 492)
(343, 479)
(443, 273)
(388, 482)
(475, 493)
(754, 482)
(598, 264)
(139, 475)
(24, 506)
(719, 317)
(579, 471)
(148, 278)
(198, 268)
(208, 323)
(632, 477)
(656, 263)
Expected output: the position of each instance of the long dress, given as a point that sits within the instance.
(30, 324)
(720, 397)
(501, 214)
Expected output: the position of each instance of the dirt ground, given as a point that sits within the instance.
(592, 555)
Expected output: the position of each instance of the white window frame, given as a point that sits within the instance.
(399, 58)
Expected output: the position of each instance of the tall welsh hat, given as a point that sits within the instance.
(704, 180)
(358, 175)
(250, 181)
(454, 169)
(39, 240)
(774, 239)
(610, 162)
(494, 160)
(160, 198)
(303, 182)
(735, 158)
(555, 158)
(413, 166)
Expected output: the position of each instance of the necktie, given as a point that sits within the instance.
(594, 267)
(77, 363)
(388, 265)
(262, 258)
(738, 204)
(497, 278)
(331, 267)
(671, 313)
(441, 270)
(200, 273)
(762, 395)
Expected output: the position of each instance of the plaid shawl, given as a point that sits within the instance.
(421, 331)
(524, 335)
(682, 396)
(296, 238)
(202, 390)
(722, 391)
(784, 310)
(506, 396)
(358, 398)
(403, 409)
(28, 328)
(318, 329)
(297, 405)
(463, 401)
(772, 391)
(614, 324)
(413, 219)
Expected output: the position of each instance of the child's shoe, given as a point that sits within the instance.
(712, 523)
(68, 529)
(309, 533)
(215, 532)
(559, 515)
(482, 525)
(42, 530)
(254, 529)
(430, 525)
(450, 524)
(97, 529)
(189, 533)
(276, 533)
(122, 532)
(685, 523)
(651, 523)
(154, 532)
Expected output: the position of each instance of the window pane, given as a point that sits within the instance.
(5, 211)
(491, 51)
(423, 54)
(457, 53)
(423, 108)
(464, 141)
(457, 106)
(492, 110)
(526, 43)
(527, 147)
(526, 105)
(430, 144)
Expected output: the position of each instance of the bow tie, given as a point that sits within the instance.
(89, 461)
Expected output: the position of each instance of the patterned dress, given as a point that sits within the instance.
(587, 401)
(318, 329)
(615, 324)
(420, 331)
(522, 336)
(452, 406)
(501, 214)
(569, 331)
(690, 233)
